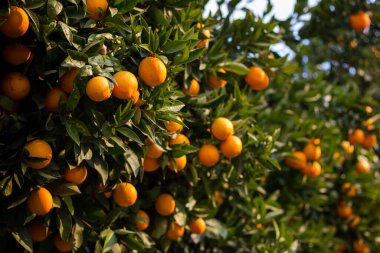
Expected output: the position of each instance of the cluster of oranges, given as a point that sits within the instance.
(299, 159)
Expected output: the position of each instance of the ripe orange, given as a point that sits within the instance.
(40, 201)
(52, 99)
(369, 141)
(216, 82)
(193, 88)
(126, 85)
(344, 211)
(355, 221)
(312, 170)
(362, 166)
(15, 86)
(360, 21)
(67, 80)
(16, 54)
(38, 149)
(38, 231)
(219, 198)
(16, 24)
(204, 42)
(222, 128)
(179, 140)
(297, 160)
(165, 204)
(154, 151)
(360, 247)
(208, 155)
(93, 7)
(142, 221)
(349, 190)
(101, 188)
(62, 246)
(98, 89)
(312, 150)
(76, 175)
(135, 97)
(356, 137)
(231, 147)
(257, 78)
(197, 226)
(173, 126)
(150, 164)
(368, 109)
(180, 162)
(125, 194)
(175, 231)
(348, 147)
(152, 71)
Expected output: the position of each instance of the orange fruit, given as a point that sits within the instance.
(165, 204)
(16, 54)
(52, 99)
(368, 109)
(349, 190)
(154, 151)
(98, 89)
(179, 140)
(231, 147)
(204, 42)
(38, 149)
(208, 155)
(125, 194)
(38, 231)
(135, 97)
(348, 147)
(101, 188)
(359, 247)
(15, 85)
(16, 24)
(150, 164)
(197, 226)
(257, 78)
(175, 231)
(94, 7)
(152, 71)
(297, 160)
(142, 221)
(216, 82)
(218, 198)
(193, 88)
(40, 201)
(312, 150)
(356, 137)
(312, 171)
(355, 221)
(222, 128)
(173, 126)
(62, 246)
(362, 166)
(369, 141)
(67, 80)
(360, 21)
(344, 211)
(126, 85)
(180, 162)
(76, 175)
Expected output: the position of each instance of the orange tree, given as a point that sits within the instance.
(146, 126)
(131, 125)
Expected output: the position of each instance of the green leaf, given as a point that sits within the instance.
(101, 167)
(67, 32)
(72, 131)
(236, 67)
(54, 8)
(64, 223)
(129, 134)
(23, 238)
(174, 46)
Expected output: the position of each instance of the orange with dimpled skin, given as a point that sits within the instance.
(16, 24)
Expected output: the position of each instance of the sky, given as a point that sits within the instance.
(282, 9)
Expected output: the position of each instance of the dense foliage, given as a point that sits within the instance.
(190, 150)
